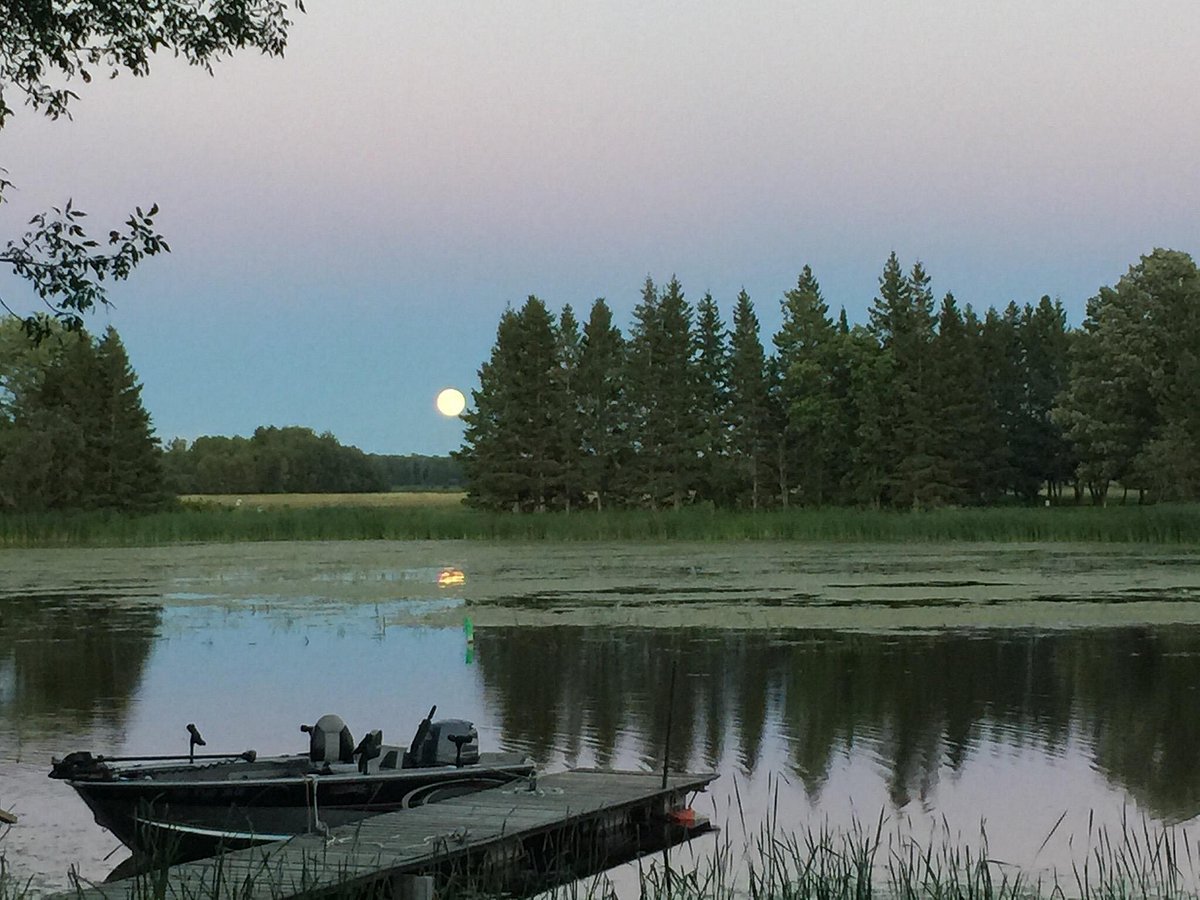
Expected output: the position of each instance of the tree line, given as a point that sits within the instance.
(74, 434)
(927, 404)
(297, 460)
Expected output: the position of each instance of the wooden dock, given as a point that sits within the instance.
(514, 839)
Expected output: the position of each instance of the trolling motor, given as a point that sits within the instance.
(194, 741)
(458, 740)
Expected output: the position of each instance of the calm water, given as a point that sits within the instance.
(956, 686)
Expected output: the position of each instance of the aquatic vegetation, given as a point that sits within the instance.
(1160, 524)
(11, 887)
(862, 861)
(868, 860)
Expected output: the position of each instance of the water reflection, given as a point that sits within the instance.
(116, 651)
(920, 705)
(71, 659)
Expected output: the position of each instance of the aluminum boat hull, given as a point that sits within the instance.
(192, 811)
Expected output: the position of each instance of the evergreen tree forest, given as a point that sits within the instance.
(73, 431)
(927, 404)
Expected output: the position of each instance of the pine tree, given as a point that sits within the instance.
(70, 409)
(918, 479)
(600, 391)
(869, 415)
(513, 449)
(888, 315)
(843, 426)
(539, 401)
(128, 459)
(567, 409)
(73, 431)
(491, 455)
(955, 384)
(43, 453)
(682, 429)
(902, 320)
(804, 348)
(1001, 393)
(1044, 457)
(712, 401)
(662, 386)
(640, 478)
(749, 390)
(779, 449)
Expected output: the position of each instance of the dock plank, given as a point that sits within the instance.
(415, 840)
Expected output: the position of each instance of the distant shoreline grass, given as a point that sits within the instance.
(447, 519)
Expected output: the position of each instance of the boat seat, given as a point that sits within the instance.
(329, 740)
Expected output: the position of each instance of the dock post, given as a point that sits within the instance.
(414, 887)
(670, 712)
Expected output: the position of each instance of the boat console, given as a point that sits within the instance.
(447, 742)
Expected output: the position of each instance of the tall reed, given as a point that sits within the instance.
(1164, 524)
(860, 862)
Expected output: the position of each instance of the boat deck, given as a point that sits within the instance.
(516, 838)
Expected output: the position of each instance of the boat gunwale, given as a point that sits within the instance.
(147, 781)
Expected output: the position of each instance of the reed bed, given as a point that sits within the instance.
(1162, 524)
(875, 860)
(861, 862)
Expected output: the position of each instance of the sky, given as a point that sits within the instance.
(348, 223)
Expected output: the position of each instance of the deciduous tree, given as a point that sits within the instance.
(47, 47)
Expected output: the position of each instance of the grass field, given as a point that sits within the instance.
(443, 517)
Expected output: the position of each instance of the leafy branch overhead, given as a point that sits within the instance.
(45, 46)
(46, 43)
(66, 268)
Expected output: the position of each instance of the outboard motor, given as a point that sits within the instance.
(329, 740)
(450, 742)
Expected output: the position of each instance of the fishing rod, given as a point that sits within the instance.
(247, 755)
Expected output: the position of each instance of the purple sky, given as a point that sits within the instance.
(349, 222)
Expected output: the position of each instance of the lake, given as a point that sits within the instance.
(1041, 693)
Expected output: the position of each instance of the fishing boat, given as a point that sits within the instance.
(192, 806)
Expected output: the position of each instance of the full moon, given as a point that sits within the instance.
(451, 402)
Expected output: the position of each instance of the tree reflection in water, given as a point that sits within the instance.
(919, 704)
(71, 661)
